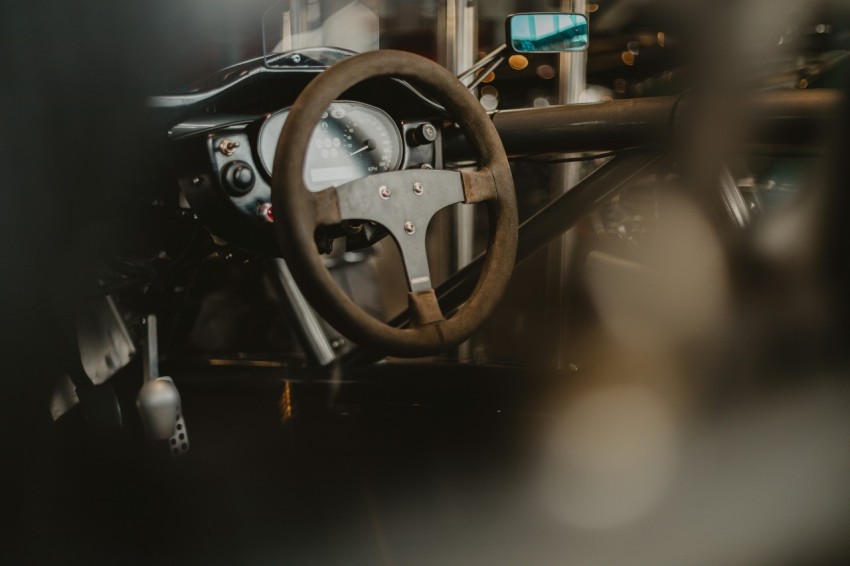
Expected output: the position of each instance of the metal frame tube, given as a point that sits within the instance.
(305, 322)
(457, 51)
(461, 51)
(792, 118)
(572, 82)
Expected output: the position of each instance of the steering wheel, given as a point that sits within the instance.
(402, 201)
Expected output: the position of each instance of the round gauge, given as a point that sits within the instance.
(352, 140)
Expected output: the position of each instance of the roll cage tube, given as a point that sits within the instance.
(779, 117)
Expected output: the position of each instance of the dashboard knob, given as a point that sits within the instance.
(238, 178)
(424, 134)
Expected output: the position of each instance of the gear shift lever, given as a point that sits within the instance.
(159, 401)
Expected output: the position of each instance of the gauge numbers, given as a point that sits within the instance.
(352, 140)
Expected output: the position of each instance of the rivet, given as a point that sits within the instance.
(384, 191)
(409, 227)
(418, 189)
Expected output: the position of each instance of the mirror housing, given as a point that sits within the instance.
(546, 32)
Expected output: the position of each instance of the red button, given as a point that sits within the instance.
(265, 210)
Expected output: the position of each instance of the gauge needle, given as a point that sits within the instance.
(367, 144)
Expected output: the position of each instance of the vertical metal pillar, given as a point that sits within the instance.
(457, 50)
(572, 76)
(457, 41)
(572, 82)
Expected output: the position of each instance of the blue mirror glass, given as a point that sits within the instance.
(547, 32)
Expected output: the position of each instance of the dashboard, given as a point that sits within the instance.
(225, 161)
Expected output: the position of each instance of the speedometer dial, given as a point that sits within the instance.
(352, 140)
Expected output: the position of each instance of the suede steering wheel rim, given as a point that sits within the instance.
(403, 201)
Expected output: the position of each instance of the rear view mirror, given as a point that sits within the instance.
(546, 32)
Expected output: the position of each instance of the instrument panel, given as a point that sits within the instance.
(352, 140)
(224, 161)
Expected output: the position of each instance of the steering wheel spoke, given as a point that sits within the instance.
(415, 257)
(424, 308)
(326, 203)
(404, 202)
(479, 186)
